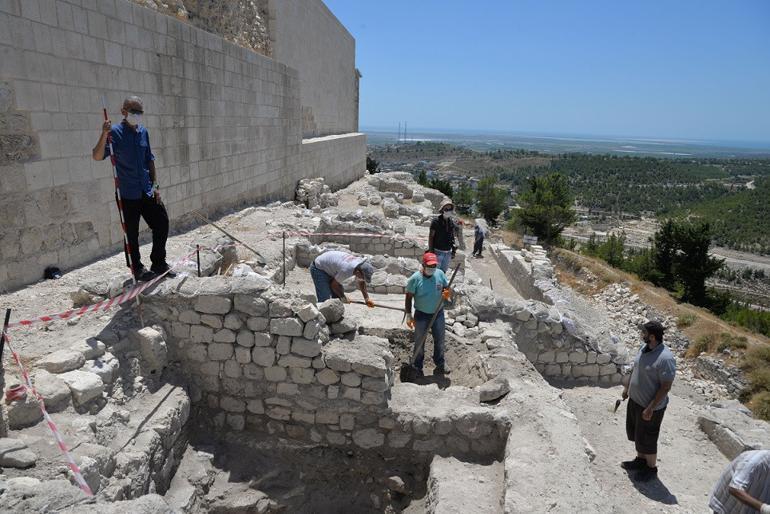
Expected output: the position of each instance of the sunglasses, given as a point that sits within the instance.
(135, 111)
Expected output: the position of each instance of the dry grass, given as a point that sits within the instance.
(707, 332)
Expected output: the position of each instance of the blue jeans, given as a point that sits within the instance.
(421, 320)
(444, 258)
(322, 282)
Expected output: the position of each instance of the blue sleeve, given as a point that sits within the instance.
(411, 285)
(149, 156)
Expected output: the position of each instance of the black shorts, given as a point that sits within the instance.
(643, 433)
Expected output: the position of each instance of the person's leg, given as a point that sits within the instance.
(421, 321)
(649, 432)
(477, 247)
(156, 217)
(633, 418)
(322, 282)
(444, 258)
(481, 246)
(438, 330)
(131, 213)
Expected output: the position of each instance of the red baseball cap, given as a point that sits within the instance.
(429, 258)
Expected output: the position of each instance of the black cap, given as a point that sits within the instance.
(655, 328)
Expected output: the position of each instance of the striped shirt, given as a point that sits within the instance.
(749, 471)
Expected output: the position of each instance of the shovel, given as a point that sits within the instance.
(617, 404)
(408, 373)
(391, 307)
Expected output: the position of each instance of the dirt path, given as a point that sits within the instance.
(689, 464)
(488, 269)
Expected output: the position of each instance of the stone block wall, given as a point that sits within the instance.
(224, 122)
(260, 359)
(338, 159)
(308, 37)
(549, 341)
(529, 271)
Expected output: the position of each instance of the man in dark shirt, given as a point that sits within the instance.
(139, 190)
(441, 239)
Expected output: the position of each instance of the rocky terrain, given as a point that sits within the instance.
(238, 392)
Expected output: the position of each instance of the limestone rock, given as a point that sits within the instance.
(91, 348)
(85, 386)
(24, 413)
(493, 389)
(15, 454)
(396, 484)
(368, 438)
(106, 367)
(55, 392)
(344, 326)
(332, 309)
(61, 361)
(152, 345)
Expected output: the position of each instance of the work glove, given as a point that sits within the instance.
(410, 321)
(370, 303)
(446, 294)
(764, 509)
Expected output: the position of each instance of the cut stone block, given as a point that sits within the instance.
(84, 386)
(62, 361)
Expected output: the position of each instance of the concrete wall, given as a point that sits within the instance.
(308, 37)
(224, 122)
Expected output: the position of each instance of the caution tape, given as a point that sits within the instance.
(27, 383)
(103, 305)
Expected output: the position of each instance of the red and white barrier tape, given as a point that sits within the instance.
(27, 383)
(104, 305)
(346, 234)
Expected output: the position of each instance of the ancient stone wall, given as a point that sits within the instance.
(224, 122)
(261, 359)
(530, 271)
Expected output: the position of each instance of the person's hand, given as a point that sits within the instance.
(106, 126)
(625, 394)
(764, 509)
(446, 294)
(370, 303)
(647, 414)
(410, 321)
(158, 200)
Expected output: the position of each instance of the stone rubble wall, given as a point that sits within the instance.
(553, 344)
(260, 359)
(61, 56)
(529, 271)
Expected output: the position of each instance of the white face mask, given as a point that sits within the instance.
(134, 119)
(447, 214)
(429, 271)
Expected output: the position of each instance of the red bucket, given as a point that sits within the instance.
(15, 392)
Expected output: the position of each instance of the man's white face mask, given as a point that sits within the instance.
(134, 119)
(429, 271)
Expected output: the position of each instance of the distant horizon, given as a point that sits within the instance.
(748, 144)
(691, 70)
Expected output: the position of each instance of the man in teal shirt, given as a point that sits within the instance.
(427, 287)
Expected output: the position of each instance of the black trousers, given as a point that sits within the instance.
(478, 245)
(156, 217)
(643, 433)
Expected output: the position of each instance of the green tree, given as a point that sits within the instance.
(463, 198)
(372, 166)
(664, 247)
(491, 200)
(422, 178)
(546, 206)
(692, 262)
(442, 185)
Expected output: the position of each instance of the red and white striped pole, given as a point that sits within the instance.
(119, 201)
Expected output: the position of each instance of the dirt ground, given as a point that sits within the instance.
(689, 464)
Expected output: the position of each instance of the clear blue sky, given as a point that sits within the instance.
(695, 69)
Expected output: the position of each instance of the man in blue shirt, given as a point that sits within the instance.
(139, 190)
(427, 287)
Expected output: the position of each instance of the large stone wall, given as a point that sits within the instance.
(225, 123)
(308, 37)
(261, 359)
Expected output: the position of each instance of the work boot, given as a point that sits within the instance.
(647, 474)
(160, 270)
(633, 465)
(143, 274)
(442, 370)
